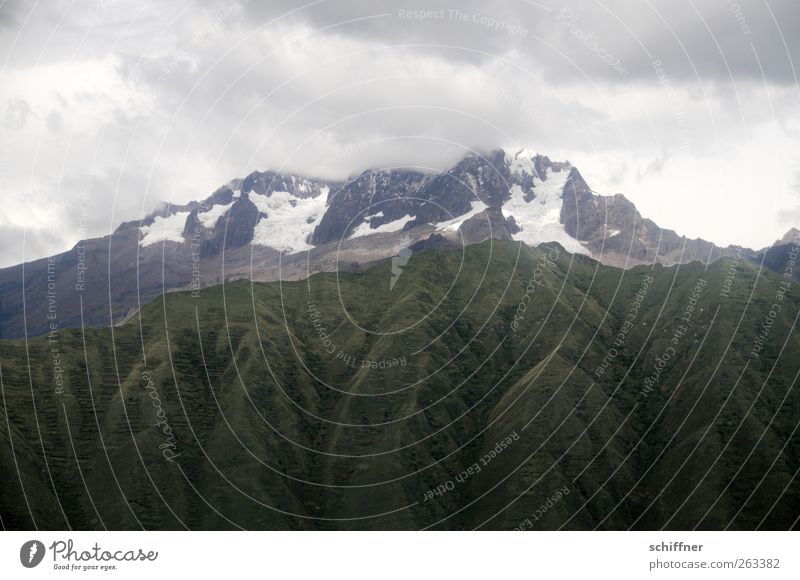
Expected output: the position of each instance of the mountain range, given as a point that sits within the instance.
(496, 386)
(494, 346)
(268, 226)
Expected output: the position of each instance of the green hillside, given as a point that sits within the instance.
(500, 387)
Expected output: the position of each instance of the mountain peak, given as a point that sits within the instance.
(523, 161)
(790, 237)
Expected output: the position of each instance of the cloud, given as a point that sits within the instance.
(695, 41)
(159, 103)
(11, 13)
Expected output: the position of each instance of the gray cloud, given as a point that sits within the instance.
(166, 103)
(11, 12)
(695, 40)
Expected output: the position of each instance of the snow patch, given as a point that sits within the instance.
(210, 217)
(612, 233)
(289, 220)
(164, 229)
(540, 218)
(364, 228)
(453, 225)
(521, 162)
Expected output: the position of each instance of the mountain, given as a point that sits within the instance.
(269, 226)
(782, 256)
(790, 237)
(496, 385)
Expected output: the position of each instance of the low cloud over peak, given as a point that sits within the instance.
(681, 106)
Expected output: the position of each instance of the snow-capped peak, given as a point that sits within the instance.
(290, 213)
(521, 162)
(539, 218)
(287, 221)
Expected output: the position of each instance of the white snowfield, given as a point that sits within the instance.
(454, 225)
(164, 229)
(540, 218)
(289, 220)
(521, 162)
(365, 229)
(210, 217)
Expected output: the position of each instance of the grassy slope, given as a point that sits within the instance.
(274, 431)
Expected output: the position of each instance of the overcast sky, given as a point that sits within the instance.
(689, 108)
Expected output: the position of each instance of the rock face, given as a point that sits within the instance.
(791, 237)
(783, 256)
(616, 233)
(233, 230)
(270, 226)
